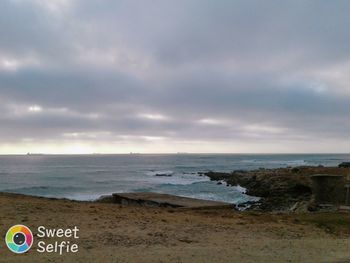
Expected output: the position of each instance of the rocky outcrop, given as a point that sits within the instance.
(163, 174)
(279, 189)
(344, 165)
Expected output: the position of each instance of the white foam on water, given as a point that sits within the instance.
(175, 178)
(240, 189)
(84, 197)
(160, 173)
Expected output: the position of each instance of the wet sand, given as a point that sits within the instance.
(116, 233)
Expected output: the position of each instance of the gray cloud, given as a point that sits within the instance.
(232, 72)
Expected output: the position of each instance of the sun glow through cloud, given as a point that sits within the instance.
(158, 117)
(35, 108)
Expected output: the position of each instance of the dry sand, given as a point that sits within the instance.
(115, 233)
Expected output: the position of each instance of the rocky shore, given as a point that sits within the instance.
(280, 189)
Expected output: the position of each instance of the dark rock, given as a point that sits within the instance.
(344, 165)
(279, 188)
(295, 170)
(167, 175)
(300, 189)
(240, 171)
(217, 176)
(312, 207)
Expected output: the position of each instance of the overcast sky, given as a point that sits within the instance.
(114, 76)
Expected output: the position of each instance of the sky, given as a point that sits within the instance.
(161, 76)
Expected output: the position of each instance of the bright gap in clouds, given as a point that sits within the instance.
(35, 108)
(153, 116)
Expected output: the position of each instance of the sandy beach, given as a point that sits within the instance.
(116, 233)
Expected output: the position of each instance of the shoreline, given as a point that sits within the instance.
(278, 189)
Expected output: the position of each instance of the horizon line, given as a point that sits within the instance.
(176, 153)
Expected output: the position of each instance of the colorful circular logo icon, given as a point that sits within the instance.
(19, 239)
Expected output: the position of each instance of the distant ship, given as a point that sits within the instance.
(34, 154)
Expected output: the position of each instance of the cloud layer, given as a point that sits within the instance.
(86, 76)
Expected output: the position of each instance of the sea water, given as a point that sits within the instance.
(87, 177)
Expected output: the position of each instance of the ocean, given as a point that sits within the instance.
(87, 177)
